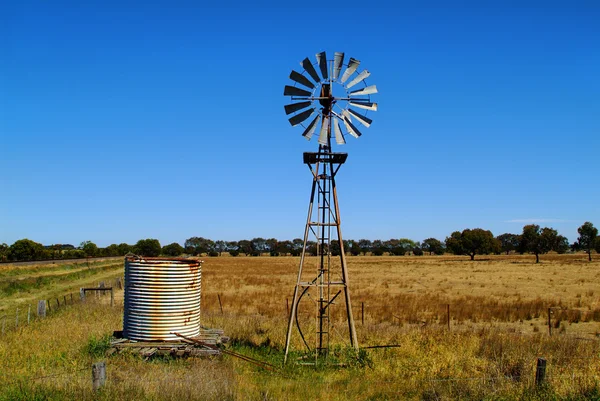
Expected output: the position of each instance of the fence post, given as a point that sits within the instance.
(41, 309)
(362, 313)
(448, 315)
(540, 372)
(119, 284)
(81, 294)
(98, 375)
(28, 314)
(112, 297)
(549, 322)
(220, 304)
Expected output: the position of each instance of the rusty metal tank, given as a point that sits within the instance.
(162, 296)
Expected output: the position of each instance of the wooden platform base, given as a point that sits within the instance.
(179, 349)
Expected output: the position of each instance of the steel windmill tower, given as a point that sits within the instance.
(327, 101)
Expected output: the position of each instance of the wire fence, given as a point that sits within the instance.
(27, 314)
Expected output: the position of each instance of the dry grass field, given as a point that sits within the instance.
(498, 329)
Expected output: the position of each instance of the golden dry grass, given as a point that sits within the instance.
(489, 354)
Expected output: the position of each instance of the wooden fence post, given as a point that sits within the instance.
(48, 305)
(28, 314)
(220, 304)
(540, 372)
(41, 309)
(119, 284)
(362, 313)
(71, 298)
(112, 297)
(98, 375)
(81, 294)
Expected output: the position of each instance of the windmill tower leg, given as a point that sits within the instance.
(350, 316)
(299, 280)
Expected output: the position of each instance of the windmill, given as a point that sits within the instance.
(326, 102)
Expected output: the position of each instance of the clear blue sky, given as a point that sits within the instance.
(125, 120)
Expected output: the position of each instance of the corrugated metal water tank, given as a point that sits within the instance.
(161, 296)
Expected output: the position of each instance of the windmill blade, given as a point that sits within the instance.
(369, 90)
(310, 130)
(294, 91)
(346, 114)
(352, 66)
(291, 108)
(301, 79)
(339, 138)
(359, 77)
(363, 105)
(338, 60)
(362, 119)
(324, 131)
(308, 67)
(298, 118)
(322, 61)
(352, 130)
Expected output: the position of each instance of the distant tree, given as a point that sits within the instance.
(220, 246)
(508, 242)
(454, 243)
(365, 245)
(562, 244)
(587, 238)
(335, 247)
(377, 247)
(284, 247)
(246, 247)
(124, 249)
(417, 251)
(24, 250)
(4, 248)
(396, 247)
(271, 246)
(354, 248)
(232, 246)
(259, 246)
(111, 250)
(89, 248)
(173, 249)
(311, 248)
(148, 247)
(297, 244)
(472, 242)
(432, 246)
(198, 245)
(538, 241)
(597, 244)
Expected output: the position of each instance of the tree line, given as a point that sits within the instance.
(533, 239)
